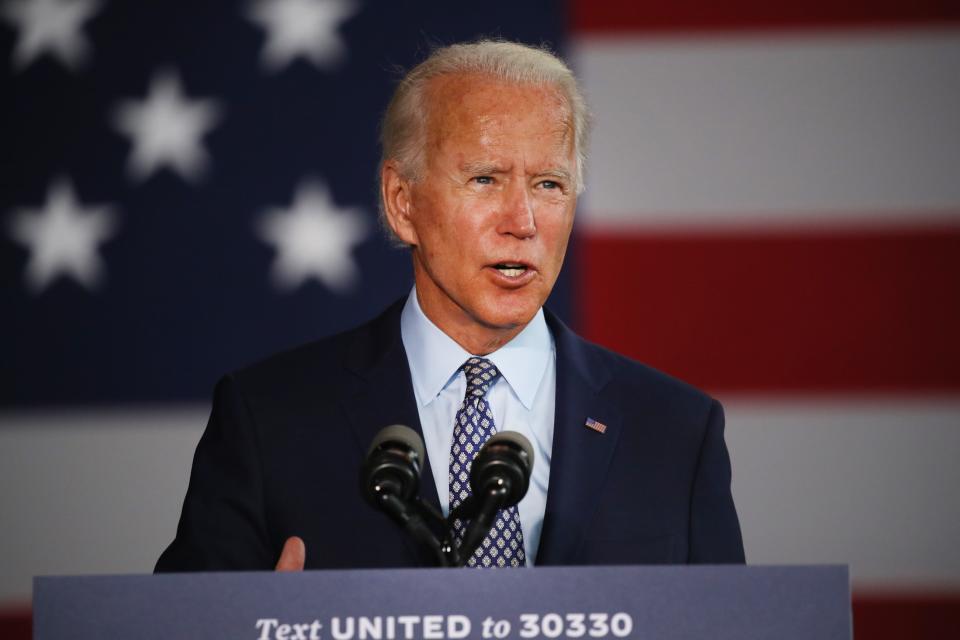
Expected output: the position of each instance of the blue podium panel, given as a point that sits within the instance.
(663, 603)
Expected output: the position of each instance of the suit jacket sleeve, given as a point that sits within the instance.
(714, 528)
(222, 526)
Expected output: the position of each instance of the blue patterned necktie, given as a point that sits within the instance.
(503, 545)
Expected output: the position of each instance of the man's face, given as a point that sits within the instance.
(491, 212)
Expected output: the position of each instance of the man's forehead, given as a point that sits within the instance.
(476, 104)
(472, 95)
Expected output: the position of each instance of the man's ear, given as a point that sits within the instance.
(397, 201)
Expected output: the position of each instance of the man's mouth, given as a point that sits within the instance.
(511, 270)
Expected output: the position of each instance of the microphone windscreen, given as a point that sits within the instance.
(515, 439)
(402, 435)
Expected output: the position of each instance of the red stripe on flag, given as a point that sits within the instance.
(904, 615)
(697, 15)
(780, 312)
(15, 622)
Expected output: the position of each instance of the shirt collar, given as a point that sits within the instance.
(435, 358)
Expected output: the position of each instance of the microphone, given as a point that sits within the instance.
(390, 481)
(392, 467)
(499, 478)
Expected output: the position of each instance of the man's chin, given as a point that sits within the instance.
(507, 315)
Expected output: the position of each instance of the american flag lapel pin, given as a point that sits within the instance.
(596, 425)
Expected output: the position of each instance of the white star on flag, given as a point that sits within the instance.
(62, 238)
(314, 239)
(306, 28)
(166, 128)
(50, 26)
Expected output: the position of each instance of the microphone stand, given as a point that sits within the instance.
(422, 521)
(485, 513)
(416, 517)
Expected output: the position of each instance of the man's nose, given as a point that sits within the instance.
(518, 216)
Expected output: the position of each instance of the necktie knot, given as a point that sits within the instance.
(481, 374)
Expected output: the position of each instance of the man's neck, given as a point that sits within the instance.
(474, 337)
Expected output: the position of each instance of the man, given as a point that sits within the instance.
(482, 164)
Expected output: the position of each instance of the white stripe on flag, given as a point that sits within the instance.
(773, 129)
(870, 482)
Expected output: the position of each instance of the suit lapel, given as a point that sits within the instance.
(581, 456)
(378, 389)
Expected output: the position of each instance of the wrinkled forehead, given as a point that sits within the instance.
(465, 107)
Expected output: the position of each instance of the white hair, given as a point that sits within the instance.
(403, 129)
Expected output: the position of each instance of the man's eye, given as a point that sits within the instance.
(483, 180)
(550, 184)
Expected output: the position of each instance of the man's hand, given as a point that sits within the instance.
(293, 556)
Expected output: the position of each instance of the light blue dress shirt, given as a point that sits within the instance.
(522, 400)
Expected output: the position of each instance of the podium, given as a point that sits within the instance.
(662, 603)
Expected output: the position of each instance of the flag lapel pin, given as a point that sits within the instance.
(597, 426)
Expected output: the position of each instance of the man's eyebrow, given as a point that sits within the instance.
(556, 173)
(486, 168)
(481, 167)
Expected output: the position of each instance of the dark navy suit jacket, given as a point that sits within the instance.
(283, 448)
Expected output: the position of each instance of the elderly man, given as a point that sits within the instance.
(483, 148)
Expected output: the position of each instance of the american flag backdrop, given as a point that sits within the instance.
(187, 189)
(772, 213)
